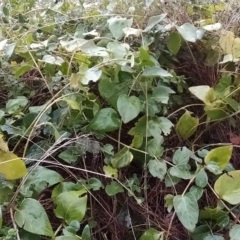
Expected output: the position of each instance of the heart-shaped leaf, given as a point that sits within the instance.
(187, 210)
(114, 188)
(122, 159)
(157, 168)
(220, 156)
(227, 187)
(32, 217)
(11, 166)
(187, 125)
(106, 120)
(174, 42)
(70, 206)
(128, 107)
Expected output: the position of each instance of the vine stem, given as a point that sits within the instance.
(174, 214)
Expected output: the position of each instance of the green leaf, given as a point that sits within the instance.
(161, 94)
(200, 232)
(128, 107)
(188, 32)
(181, 171)
(110, 171)
(152, 234)
(111, 91)
(117, 24)
(174, 42)
(159, 125)
(215, 113)
(122, 159)
(234, 232)
(6, 191)
(70, 206)
(157, 168)
(213, 237)
(182, 156)
(106, 120)
(21, 70)
(171, 181)
(38, 180)
(32, 217)
(204, 93)
(1, 217)
(67, 238)
(140, 128)
(86, 234)
(113, 188)
(227, 187)
(168, 202)
(187, 210)
(153, 21)
(197, 192)
(187, 125)
(155, 72)
(215, 215)
(16, 105)
(221, 156)
(56, 60)
(91, 74)
(11, 166)
(154, 148)
(201, 179)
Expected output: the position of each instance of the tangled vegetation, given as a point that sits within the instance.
(119, 121)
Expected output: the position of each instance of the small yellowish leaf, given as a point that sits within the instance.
(11, 166)
(226, 42)
(110, 171)
(236, 48)
(204, 93)
(187, 125)
(220, 156)
(3, 144)
(227, 187)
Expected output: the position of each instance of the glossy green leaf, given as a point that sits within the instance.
(187, 125)
(113, 188)
(38, 180)
(221, 156)
(70, 206)
(187, 210)
(152, 234)
(227, 187)
(234, 232)
(32, 217)
(201, 179)
(122, 159)
(106, 120)
(157, 168)
(128, 107)
(174, 42)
